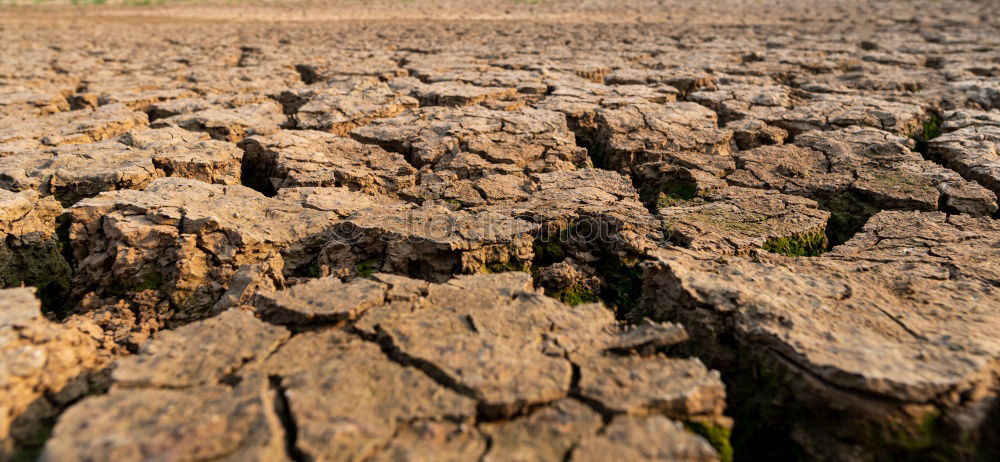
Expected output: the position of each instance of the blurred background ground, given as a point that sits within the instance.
(602, 11)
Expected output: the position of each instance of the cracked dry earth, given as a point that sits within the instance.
(563, 231)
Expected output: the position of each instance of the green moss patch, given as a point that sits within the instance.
(573, 296)
(929, 130)
(548, 250)
(42, 266)
(908, 438)
(152, 280)
(922, 436)
(367, 268)
(809, 244)
(622, 280)
(716, 435)
(148, 280)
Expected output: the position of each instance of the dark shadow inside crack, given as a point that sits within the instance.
(39, 265)
(849, 211)
(781, 408)
(576, 274)
(929, 129)
(758, 398)
(989, 444)
(283, 411)
(587, 138)
(665, 193)
(760, 402)
(30, 449)
(307, 73)
(31, 430)
(772, 399)
(45, 264)
(255, 169)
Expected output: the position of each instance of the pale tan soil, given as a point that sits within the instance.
(500, 230)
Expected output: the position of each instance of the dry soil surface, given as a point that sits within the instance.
(508, 231)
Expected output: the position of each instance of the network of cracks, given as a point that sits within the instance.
(500, 241)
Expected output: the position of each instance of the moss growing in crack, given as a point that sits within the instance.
(507, 266)
(548, 251)
(931, 129)
(809, 244)
(668, 194)
(149, 280)
(680, 189)
(908, 438)
(716, 435)
(922, 440)
(922, 436)
(39, 265)
(764, 399)
(849, 211)
(667, 200)
(573, 296)
(310, 270)
(28, 451)
(759, 396)
(152, 280)
(622, 287)
(365, 269)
